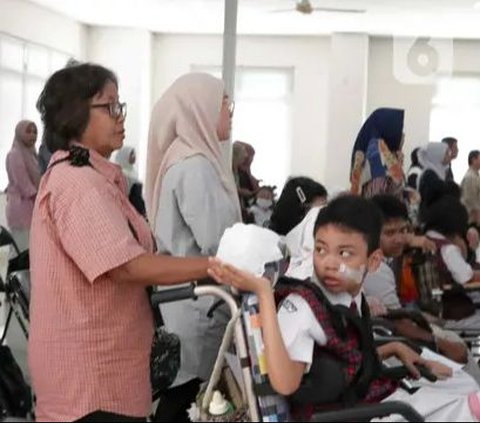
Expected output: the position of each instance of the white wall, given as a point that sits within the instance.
(128, 52)
(338, 79)
(308, 56)
(384, 89)
(347, 100)
(33, 23)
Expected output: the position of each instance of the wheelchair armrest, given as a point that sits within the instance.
(369, 412)
(381, 331)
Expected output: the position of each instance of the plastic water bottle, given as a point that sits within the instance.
(219, 406)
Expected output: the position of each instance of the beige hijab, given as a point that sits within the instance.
(184, 124)
(29, 154)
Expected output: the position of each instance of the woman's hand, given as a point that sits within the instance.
(227, 274)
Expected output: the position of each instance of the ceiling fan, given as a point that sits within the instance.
(306, 7)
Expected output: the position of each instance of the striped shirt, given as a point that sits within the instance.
(90, 335)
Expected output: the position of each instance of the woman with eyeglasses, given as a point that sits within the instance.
(191, 199)
(92, 257)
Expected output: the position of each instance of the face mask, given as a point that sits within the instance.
(354, 275)
(264, 204)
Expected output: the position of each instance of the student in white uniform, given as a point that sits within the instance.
(191, 199)
(328, 316)
(446, 222)
(383, 284)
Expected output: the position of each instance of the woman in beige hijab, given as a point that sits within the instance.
(191, 199)
(23, 181)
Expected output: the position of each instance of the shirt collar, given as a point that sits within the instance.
(111, 171)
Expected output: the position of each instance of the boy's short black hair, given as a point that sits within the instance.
(414, 157)
(390, 207)
(450, 141)
(447, 216)
(356, 214)
(473, 155)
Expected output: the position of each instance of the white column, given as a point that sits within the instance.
(347, 103)
(230, 46)
(229, 60)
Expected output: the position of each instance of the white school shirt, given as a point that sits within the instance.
(300, 328)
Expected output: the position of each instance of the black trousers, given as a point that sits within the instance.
(175, 402)
(103, 417)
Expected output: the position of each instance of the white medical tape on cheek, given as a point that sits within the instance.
(355, 275)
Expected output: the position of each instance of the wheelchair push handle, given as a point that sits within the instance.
(174, 294)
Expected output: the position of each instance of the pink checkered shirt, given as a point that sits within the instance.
(90, 336)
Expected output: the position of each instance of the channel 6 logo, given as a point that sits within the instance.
(421, 60)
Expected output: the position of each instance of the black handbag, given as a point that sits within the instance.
(165, 355)
(164, 360)
(15, 394)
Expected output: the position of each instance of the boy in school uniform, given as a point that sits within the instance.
(323, 325)
(383, 283)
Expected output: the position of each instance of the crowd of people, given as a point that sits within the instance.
(98, 238)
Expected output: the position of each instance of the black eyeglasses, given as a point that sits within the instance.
(116, 110)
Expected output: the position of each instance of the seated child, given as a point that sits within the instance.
(326, 318)
(446, 223)
(262, 209)
(383, 285)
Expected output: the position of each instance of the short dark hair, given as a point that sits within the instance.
(356, 214)
(390, 207)
(414, 157)
(294, 203)
(473, 155)
(447, 216)
(450, 141)
(64, 103)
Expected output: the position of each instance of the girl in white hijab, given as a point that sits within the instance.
(434, 158)
(191, 199)
(126, 159)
